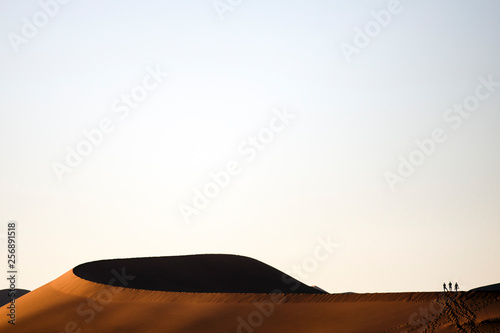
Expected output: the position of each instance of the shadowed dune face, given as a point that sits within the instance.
(207, 273)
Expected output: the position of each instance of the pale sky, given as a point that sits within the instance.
(355, 85)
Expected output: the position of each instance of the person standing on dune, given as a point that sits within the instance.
(450, 286)
(456, 286)
(444, 287)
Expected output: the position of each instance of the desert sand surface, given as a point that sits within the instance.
(74, 304)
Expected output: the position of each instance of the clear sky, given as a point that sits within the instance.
(356, 85)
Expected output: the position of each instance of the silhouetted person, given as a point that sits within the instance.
(444, 287)
(456, 286)
(451, 286)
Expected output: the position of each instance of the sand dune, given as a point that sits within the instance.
(5, 296)
(491, 287)
(74, 304)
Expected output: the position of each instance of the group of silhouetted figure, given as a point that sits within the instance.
(450, 287)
